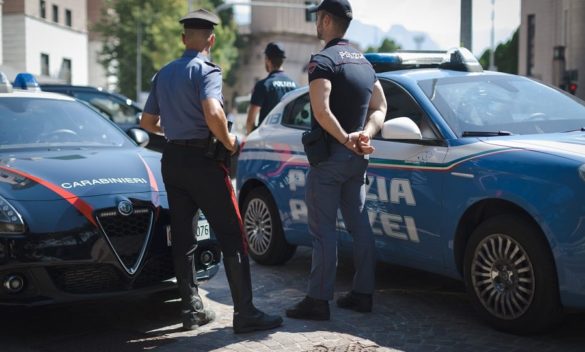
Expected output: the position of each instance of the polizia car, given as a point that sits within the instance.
(476, 175)
(83, 209)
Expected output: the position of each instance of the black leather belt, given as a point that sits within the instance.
(195, 143)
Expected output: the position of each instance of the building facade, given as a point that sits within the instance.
(275, 24)
(551, 43)
(47, 38)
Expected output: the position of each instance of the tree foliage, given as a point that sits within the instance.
(157, 20)
(387, 46)
(505, 56)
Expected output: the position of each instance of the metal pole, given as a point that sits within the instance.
(466, 24)
(492, 66)
(138, 59)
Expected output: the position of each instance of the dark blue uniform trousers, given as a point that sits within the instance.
(339, 183)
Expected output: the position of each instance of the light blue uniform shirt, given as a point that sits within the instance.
(177, 91)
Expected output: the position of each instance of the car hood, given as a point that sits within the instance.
(570, 145)
(54, 175)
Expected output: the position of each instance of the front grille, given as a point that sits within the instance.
(155, 270)
(81, 279)
(128, 235)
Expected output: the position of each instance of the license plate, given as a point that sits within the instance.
(203, 230)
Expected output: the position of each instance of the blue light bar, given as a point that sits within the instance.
(459, 59)
(26, 81)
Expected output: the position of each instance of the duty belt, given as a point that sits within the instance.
(195, 143)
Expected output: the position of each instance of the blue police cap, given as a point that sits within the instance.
(199, 19)
(274, 50)
(340, 8)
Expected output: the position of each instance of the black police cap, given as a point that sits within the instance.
(340, 8)
(274, 50)
(199, 19)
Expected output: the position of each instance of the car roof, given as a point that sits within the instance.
(36, 95)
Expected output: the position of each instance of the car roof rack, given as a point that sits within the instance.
(456, 59)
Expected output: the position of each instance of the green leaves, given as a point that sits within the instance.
(153, 28)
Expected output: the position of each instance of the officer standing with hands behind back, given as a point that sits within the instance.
(186, 103)
(347, 102)
(268, 92)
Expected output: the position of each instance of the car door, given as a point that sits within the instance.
(405, 183)
(296, 118)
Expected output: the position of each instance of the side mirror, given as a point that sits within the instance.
(401, 128)
(139, 136)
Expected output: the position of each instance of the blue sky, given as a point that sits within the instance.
(439, 18)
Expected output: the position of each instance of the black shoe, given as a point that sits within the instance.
(360, 302)
(258, 320)
(193, 320)
(310, 309)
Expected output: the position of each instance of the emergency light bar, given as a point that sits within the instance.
(457, 59)
(26, 81)
(5, 86)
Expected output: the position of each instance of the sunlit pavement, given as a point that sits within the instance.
(414, 311)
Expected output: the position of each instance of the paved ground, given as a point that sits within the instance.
(414, 311)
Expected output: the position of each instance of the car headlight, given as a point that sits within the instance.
(10, 220)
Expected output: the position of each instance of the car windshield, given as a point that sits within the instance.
(36, 122)
(503, 105)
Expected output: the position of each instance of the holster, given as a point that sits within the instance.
(217, 151)
(315, 145)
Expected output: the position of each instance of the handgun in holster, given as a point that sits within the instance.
(217, 151)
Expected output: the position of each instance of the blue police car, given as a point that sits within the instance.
(83, 209)
(477, 175)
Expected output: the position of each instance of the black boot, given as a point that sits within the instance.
(360, 302)
(193, 314)
(310, 309)
(247, 318)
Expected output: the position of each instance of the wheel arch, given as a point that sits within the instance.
(480, 212)
(248, 186)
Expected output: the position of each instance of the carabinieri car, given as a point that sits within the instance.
(83, 210)
(476, 175)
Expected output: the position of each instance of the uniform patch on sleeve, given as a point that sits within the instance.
(312, 66)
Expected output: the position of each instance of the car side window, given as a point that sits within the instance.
(297, 114)
(115, 110)
(402, 104)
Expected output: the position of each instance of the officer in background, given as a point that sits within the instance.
(268, 92)
(186, 103)
(348, 102)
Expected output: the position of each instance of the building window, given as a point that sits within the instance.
(45, 64)
(65, 73)
(55, 13)
(68, 18)
(43, 8)
(530, 45)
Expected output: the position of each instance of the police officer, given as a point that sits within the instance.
(185, 103)
(349, 104)
(268, 92)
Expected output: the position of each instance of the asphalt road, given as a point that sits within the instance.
(414, 311)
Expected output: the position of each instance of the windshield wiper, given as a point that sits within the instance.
(485, 133)
(582, 129)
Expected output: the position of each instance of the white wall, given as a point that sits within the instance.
(97, 73)
(58, 43)
(13, 34)
(25, 38)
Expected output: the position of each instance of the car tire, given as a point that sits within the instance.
(261, 219)
(511, 277)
